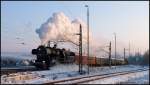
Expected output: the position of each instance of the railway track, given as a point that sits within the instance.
(84, 79)
(18, 69)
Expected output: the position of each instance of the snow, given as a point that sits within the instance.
(16, 59)
(133, 78)
(139, 79)
(63, 71)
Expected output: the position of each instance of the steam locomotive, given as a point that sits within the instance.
(48, 56)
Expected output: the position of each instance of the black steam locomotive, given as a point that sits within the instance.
(48, 56)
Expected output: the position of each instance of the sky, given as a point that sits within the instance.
(128, 19)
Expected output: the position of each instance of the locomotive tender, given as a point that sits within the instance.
(47, 56)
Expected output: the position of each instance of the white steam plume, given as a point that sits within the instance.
(60, 28)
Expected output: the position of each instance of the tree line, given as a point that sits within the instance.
(139, 59)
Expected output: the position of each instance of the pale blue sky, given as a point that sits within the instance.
(129, 19)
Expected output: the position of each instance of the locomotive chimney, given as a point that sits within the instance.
(48, 44)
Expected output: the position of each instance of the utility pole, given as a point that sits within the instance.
(87, 35)
(129, 49)
(80, 50)
(124, 54)
(110, 54)
(138, 52)
(115, 48)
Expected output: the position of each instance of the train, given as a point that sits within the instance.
(48, 56)
(95, 61)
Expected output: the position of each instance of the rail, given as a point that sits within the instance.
(77, 80)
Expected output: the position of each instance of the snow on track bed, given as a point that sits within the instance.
(131, 78)
(87, 79)
(62, 72)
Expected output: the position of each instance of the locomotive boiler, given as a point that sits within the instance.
(48, 56)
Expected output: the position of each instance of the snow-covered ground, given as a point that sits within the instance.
(65, 71)
(132, 78)
(140, 78)
(16, 59)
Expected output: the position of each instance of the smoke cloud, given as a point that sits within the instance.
(60, 28)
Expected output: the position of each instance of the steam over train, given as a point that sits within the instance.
(48, 56)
